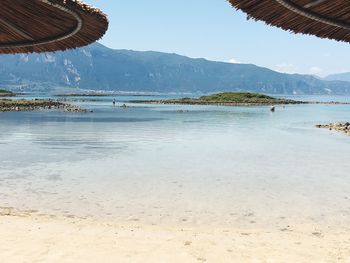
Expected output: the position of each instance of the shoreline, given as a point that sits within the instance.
(105, 95)
(32, 237)
(233, 104)
(6, 93)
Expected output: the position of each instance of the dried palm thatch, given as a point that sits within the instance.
(325, 19)
(28, 26)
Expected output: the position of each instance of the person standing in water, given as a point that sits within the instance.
(113, 102)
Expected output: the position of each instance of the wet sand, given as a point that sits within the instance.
(30, 237)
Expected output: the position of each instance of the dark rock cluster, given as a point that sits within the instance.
(37, 104)
(343, 127)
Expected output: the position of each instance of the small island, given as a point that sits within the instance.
(6, 93)
(226, 99)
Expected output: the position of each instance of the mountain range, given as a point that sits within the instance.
(97, 67)
(341, 76)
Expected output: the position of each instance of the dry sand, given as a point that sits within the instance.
(29, 237)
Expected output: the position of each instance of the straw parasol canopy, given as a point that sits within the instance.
(325, 19)
(28, 26)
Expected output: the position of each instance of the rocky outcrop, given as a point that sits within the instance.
(38, 104)
(71, 108)
(343, 127)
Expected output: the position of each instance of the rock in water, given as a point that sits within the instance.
(343, 127)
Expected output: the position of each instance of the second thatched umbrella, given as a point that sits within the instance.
(325, 19)
(48, 25)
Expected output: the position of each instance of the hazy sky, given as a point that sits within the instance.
(212, 29)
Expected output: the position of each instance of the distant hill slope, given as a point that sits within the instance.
(97, 67)
(340, 77)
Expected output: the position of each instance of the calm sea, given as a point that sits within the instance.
(237, 166)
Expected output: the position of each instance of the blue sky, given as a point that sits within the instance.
(212, 29)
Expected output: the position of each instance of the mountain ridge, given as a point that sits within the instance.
(339, 77)
(97, 67)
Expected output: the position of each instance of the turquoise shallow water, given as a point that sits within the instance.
(239, 166)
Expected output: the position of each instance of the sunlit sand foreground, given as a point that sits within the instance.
(26, 237)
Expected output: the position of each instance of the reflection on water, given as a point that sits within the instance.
(156, 165)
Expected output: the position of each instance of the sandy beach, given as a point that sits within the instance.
(30, 237)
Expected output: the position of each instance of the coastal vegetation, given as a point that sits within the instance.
(243, 97)
(6, 93)
(227, 99)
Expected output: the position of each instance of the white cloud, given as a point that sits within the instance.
(286, 68)
(233, 61)
(315, 70)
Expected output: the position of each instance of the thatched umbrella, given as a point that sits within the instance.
(325, 19)
(48, 25)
